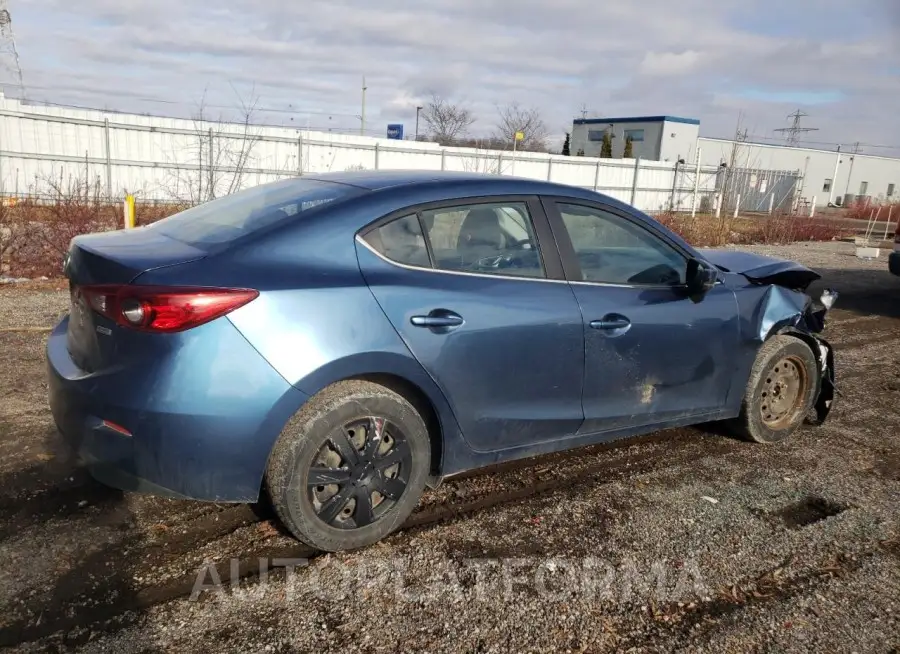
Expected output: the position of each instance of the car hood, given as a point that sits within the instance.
(763, 269)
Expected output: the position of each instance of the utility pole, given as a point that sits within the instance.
(837, 163)
(362, 117)
(418, 109)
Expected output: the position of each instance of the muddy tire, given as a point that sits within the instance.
(780, 392)
(349, 467)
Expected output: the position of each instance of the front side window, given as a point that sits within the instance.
(614, 250)
(636, 135)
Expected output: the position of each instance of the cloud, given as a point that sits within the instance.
(669, 63)
(700, 58)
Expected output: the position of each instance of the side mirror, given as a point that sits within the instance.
(700, 278)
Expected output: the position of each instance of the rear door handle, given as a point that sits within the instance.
(438, 318)
(611, 322)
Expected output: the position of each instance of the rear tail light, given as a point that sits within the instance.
(162, 308)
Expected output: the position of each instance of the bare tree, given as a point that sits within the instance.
(219, 154)
(446, 122)
(514, 118)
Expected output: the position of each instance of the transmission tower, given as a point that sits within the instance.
(9, 54)
(794, 131)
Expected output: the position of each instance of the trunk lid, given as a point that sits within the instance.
(762, 269)
(111, 258)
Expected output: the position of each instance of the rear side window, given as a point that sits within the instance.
(401, 240)
(495, 238)
(234, 216)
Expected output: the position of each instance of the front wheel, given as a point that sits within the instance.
(780, 392)
(349, 468)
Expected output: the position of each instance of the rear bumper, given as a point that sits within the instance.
(894, 262)
(202, 422)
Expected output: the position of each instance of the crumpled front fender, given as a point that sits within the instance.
(783, 311)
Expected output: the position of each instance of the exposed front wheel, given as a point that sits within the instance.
(780, 392)
(350, 467)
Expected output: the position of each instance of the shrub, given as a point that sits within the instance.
(859, 210)
(606, 146)
(709, 231)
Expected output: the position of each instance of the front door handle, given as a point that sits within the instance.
(612, 322)
(437, 319)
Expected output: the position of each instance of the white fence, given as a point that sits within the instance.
(169, 159)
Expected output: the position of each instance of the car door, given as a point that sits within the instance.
(652, 354)
(487, 313)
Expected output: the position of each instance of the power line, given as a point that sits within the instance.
(275, 110)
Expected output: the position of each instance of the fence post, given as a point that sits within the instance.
(737, 205)
(549, 168)
(108, 159)
(887, 222)
(499, 163)
(443, 159)
(771, 202)
(812, 207)
(300, 154)
(377, 152)
(634, 181)
(696, 184)
(718, 205)
(597, 176)
(212, 170)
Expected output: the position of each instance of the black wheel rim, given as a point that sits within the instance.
(359, 473)
(783, 393)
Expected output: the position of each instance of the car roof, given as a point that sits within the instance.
(487, 183)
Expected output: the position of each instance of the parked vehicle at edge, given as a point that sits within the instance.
(339, 342)
(894, 257)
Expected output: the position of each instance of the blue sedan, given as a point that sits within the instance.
(338, 342)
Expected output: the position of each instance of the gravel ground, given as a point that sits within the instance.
(682, 541)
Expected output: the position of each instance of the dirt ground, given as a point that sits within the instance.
(681, 541)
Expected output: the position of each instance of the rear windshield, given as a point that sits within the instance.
(231, 217)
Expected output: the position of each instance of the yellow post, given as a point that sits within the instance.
(129, 211)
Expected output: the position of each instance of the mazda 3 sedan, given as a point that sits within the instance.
(337, 342)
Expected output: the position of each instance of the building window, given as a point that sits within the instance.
(635, 134)
(596, 134)
(890, 192)
(827, 186)
(863, 188)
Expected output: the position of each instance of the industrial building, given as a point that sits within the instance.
(829, 176)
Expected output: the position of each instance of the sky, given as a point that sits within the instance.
(303, 62)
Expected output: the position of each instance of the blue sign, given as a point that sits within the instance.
(395, 131)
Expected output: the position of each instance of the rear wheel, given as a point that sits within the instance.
(780, 392)
(349, 468)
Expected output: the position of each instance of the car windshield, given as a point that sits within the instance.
(231, 217)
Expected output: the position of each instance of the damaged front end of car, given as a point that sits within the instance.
(785, 307)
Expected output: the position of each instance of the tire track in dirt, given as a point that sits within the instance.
(73, 610)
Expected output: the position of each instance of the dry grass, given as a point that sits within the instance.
(708, 231)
